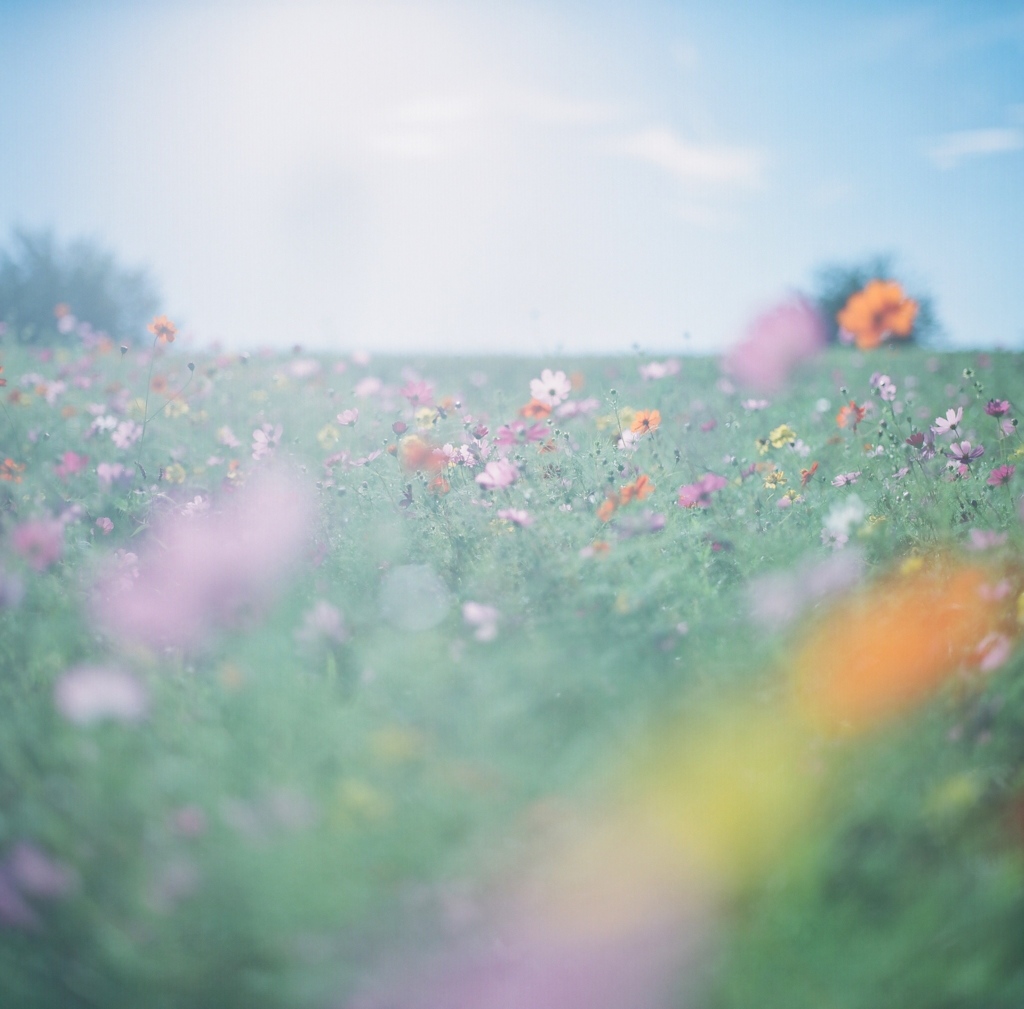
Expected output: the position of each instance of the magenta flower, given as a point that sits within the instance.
(1001, 475)
(39, 541)
(698, 495)
(105, 525)
(498, 475)
(196, 573)
(964, 453)
(70, 464)
(997, 407)
(519, 433)
(774, 343)
(418, 392)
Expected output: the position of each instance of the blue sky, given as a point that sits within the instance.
(512, 176)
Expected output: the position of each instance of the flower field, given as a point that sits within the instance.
(400, 684)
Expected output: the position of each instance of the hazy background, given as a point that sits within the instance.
(521, 176)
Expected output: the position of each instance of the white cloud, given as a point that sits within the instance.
(949, 150)
(690, 162)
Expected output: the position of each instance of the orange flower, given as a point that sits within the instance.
(645, 422)
(806, 474)
(877, 312)
(159, 383)
(535, 410)
(607, 509)
(418, 454)
(638, 490)
(889, 648)
(851, 416)
(3, 381)
(11, 470)
(163, 329)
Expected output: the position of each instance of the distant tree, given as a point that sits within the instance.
(43, 283)
(834, 283)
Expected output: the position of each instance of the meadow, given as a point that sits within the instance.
(308, 662)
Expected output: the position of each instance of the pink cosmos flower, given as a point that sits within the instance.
(70, 464)
(497, 475)
(698, 495)
(659, 369)
(949, 423)
(109, 473)
(1000, 475)
(227, 438)
(755, 404)
(105, 525)
(418, 392)
(88, 694)
(997, 407)
(965, 454)
(348, 417)
(517, 516)
(552, 388)
(517, 432)
(126, 434)
(265, 439)
(367, 387)
(986, 539)
(774, 343)
(846, 478)
(39, 541)
(193, 574)
(483, 618)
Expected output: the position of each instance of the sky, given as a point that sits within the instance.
(541, 178)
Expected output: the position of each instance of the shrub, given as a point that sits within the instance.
(46, 289)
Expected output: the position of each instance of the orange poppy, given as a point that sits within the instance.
(607, 509)
(638, 490)
(877, 312)
(645, 422)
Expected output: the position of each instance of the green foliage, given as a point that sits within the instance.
(37, 274)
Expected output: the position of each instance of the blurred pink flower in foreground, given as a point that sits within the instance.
(195, 573)
(88, 694)
(39, 541)
(774, 343)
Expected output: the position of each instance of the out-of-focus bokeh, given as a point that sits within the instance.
(454, 176)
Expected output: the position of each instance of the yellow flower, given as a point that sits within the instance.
(175, 473)
(177, 408)
(775, 478)
(782, 435)
(762, 446)
(426, 417)
(327, 436)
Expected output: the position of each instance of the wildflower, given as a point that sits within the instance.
(851, 415)
(658, 369)
(197, 506)
(645, 422)
(640, 489)
(774, 343)
(884, 385)
(322, 624)
(774, 478)
(416, 453)
(889, 648)
(483, 618)
(552, 388)
(88, 694)
(782, 435)
(265, 439)
(71, 463)
(126, 434)
(348, 417)
(517, 516)
(963, 454)
(986, 539)
(647, 522)
(844, 515)
(39, 541)
(698, 495)
(367, 387)
(535, 410)
(755, 404)
(763, 446)
(497, 475)
(607, 508)
(175, 473)
(109, 473)
(997, 407)
(11, 471)
(1001, 475)
(194, 573)
(518, 433)
(949, 423)
(418, 392)
(327, 437)
(806, 474)
(577, 408)
(877, 312)
(105, 525)
(845, 478)
(163, 329)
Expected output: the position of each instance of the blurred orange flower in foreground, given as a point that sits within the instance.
(885, 650)
(163, 329)
(879, 310)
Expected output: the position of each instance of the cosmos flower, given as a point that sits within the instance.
(497, 475)
(698, 495)
(552, 388)
(875, 313)
(949, 423)
(163, 329)
(1001, 475)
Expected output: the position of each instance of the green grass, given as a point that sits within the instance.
(345, 787)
